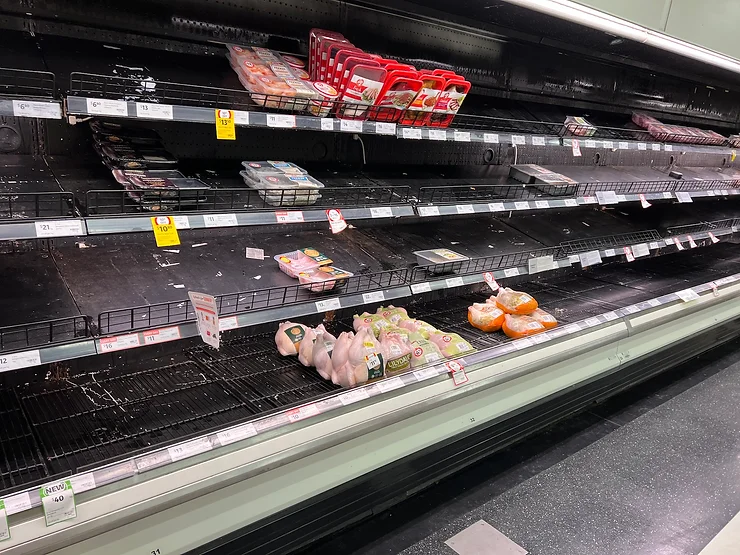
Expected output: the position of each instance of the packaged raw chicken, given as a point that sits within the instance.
(544, 318)
(360, 90)
(485, 316)
(515, 302)
(579, 126)
(399, 91)
(340, 353)
(426, 99)
(397, 351)
(374, 322)
(323, 278)
(305, 350)
(294, 262)
(288, 338)
(449, 102)
(417, 326)
(393, 314)
(365, 361)
(517, 326)
(423, 351)
(450, 344)
(323, 349)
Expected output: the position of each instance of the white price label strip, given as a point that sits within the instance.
(220, 220)
(511, 272)
(82, 482)
(610, 316)
(328, 304)
(417, 288)
(425, 373)
(653, 302)
(190, 448)
(228, 323)
(327, 124)
(669, 148)
(491, 281)
(490, 138)
(591, 322)
(655, 146)
(462, 136)
(411, 133)
(100, 107)
(571, 202)
(236, 434)
(454, 282)
(609, 145)
(538, 141)
(13, 361)
(390, 384)
(149, 110)
(120, 343)
(607, 197)
(684, 197)
(542, 204)
(610, 252)
(518, 140)
(640, 250)
(541, 264)
(59, 228)
(181, 222)
(425, 211)
(163, 335)
(279, 120)
(496, 206)
(641, 146)
(241, 117)
(58, 501)
(374, 297)
(522, 205)
(18, 503)
(589, 143)
(292, 217)
(623, 145)
(383, 128)
(354, 396)
(383, 212)
(687, 295)
(31, 109)
(350, 125)
(301, 413)
(465, 209)
(438, 135)
(589, 258)
(254, 253)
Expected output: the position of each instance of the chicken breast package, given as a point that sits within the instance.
(374, 322)
(544, 318)
(393, 314)
(397, 351)
(323, 278)
(323, 349)
(515, 302)
(450, 344)
(288, 338)
(423, 351)
(518, 326)
(486, 316)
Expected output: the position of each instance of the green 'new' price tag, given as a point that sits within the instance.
(4, 528)
(58, 501)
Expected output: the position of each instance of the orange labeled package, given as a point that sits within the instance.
(485, 316)
(516, 326)
(544, 318)
(515, 302)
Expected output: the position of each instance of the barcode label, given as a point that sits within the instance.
(511, 272)
(354, 396)
(149, 110)
(375, 297)
(112, 344)
(281, 121)
(518, 140)
(350, 125)
(383, 128)
(100, 107)
(220, 220)
(236, 434)
(328, 304)
(383, 212)
(59, 228)
(462, 136)
(410, 133)
(538, 141)
(32, 109)
(425, 211)
(437, 135)
(490, 138)
(623, 145)
(185, 450)
(292, 217)
(417, 288)
(327, 124)
(465, 209)
(454, 282)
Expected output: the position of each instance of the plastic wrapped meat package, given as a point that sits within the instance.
(323, 278)
(515, 302)
(302, 260)
(374, 322)
(450, 344)
(517, 326)
(579, 126)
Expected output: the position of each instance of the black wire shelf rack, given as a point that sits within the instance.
(48, 332)
(25, 83)
(610, 241)
(702, 226)
(19, 206)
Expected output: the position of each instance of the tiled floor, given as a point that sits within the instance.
(654, 471)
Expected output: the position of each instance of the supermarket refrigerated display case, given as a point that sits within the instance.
(171, 446)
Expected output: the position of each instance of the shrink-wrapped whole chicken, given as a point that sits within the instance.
(305, 351)
(365, 361)
(485, 316)
(544, 318)
(450, 344)
(423, 351)
(418, 326)
(515, 302)
(341, 353)
(323, 349)
(288, 338)
(397, 351)
(375, 322)
(393, 314)
(516, 326)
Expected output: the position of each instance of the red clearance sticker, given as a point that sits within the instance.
(336, 220)
(490, 280)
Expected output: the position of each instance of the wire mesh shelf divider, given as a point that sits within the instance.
(609, 241)
(701, 226)
(40, 334)
(18, 206)
(27, 83)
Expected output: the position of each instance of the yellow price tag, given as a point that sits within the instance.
(165, 232)
(225, 129)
